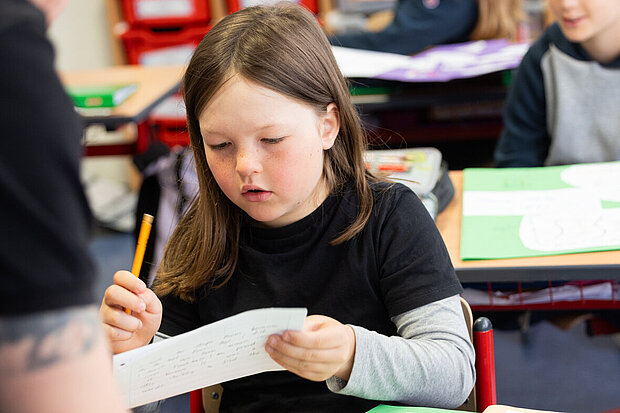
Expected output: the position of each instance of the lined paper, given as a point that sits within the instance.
(218, 352)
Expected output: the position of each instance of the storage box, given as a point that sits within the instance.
(168, 122)
(165, 13)
(162, 47)
(172, 133)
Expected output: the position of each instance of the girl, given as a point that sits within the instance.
(288, 216)
(563, 106)
(418, 24)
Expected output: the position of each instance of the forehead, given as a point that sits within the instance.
(240, 100)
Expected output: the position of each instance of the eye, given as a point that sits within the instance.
(272, 141)
(219, 146)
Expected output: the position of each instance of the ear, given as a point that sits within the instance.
(330, 126)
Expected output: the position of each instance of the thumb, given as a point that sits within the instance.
(314, 322)
(153, 305)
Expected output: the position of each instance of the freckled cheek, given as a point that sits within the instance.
(302, 167)
(224, 175)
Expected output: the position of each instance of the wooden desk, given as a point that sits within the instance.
(376, 95)
(155, 83)
(585, 266)
(419, 113)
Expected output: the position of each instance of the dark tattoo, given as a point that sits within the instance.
(36, 341)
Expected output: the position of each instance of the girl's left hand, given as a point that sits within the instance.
(322, 349)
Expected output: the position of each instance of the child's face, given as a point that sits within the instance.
(588, 20)
(265, 150)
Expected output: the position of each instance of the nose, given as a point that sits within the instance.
(248, 161)
(567, 4)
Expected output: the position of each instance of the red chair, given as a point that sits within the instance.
(484, 392)
(206, 400)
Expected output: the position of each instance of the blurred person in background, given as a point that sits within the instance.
(53, 357)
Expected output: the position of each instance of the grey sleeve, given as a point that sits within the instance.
(430, 363)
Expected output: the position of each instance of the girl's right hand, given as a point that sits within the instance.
(129, 331)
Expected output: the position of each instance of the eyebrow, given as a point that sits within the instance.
(213, 132)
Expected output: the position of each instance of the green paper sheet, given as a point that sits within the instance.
(525, 212)
(383, 408)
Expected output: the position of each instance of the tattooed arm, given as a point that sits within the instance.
(56, 361)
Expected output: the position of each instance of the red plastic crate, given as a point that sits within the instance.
(152, 47)
(172, 133)
(168, 122)
(236, 5)
(165, 13)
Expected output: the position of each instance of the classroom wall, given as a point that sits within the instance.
(81, 36)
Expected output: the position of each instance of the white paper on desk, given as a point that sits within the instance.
(218, 352)
(367, 63)
(507, 203)
(601, 178)
(571, 230)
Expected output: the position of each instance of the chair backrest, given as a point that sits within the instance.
(484, 392)
(470, 404)
(207, 400)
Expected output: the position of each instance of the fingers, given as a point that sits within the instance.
(129, 331)
(127, 292)
(306, 363)
(319, 332)
(153, 305)
(120, 298)
(290, 351)
(306, 353)
(322, 349)
(117, 334)
(129, 281)
(113, 315)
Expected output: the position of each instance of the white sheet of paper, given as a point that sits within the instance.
(466, 59)
(602, 179)
(507, 203)
(571, 230)
(218, 352)
(367, 63)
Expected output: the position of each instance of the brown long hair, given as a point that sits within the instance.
(498, 18)
(284, 49)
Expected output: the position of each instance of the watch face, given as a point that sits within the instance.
(430, 4)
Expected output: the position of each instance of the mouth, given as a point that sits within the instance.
(255, 194)
(572, 22)
(251, 189)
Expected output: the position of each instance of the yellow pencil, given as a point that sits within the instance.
(143, 237)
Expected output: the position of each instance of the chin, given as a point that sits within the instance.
(267, 220)
(576, 35)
